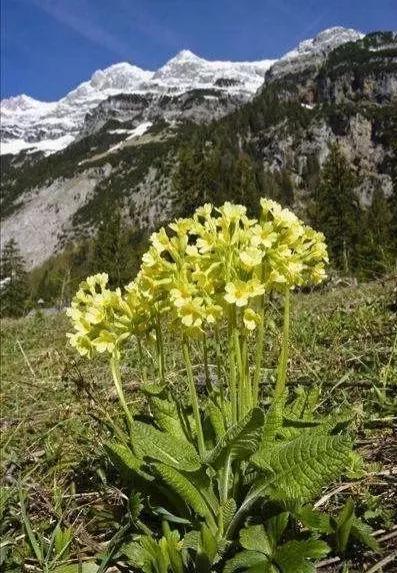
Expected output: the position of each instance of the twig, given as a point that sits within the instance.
(387, 536)
(382, 563)
(327, 562)
(327, 496)
(26, 359)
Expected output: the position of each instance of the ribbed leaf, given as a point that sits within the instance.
(273, 421)
(293, 557)
(363, 532)
(216, 419)
(255, 538)
(240, 441)
(228, 510)
(183, 487)
(314, 519)
(301, 467)
(191, 540)
(137, 556)
(246, 561)
(344, 524)
(166, 415)
(303, 406)
(151, 443)
(275, 526)
(126, 460)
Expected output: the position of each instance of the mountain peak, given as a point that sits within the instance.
(121, 75)
(312, 52)
(185, 55)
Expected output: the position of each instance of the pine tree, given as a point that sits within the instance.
(337, 211)
(377, 252)
(14, 290)
(110, 247)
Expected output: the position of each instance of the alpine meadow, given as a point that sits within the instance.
(198, 289)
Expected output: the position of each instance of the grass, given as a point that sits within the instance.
(343, 340)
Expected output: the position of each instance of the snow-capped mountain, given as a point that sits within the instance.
(312, 52)
(29, 124)
(50, 126)
(135, 142)
(186, 71)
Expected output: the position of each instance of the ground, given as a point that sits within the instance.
(54, 409)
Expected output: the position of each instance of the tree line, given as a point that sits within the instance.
(362, 241)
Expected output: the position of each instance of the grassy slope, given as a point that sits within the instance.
(342, 340)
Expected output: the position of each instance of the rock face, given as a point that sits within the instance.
(351, 100)
(126, 127)
(47, 212)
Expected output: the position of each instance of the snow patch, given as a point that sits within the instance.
(48, 146)
(136, 132)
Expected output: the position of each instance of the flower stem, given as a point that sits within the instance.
(240, 370)
(115, 368)
(160, 350)
(141, 360)
(283, 360)
(232, 367)
(194, 399)
(258, 355)
(206, 370)
(219, 371)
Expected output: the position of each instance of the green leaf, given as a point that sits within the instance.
(301, 467)
(344, 523)
(246, 561)
(228, 509)
(240, 441)
(293, 556)
(207, 550)
(184, 487)
(165, 514)
(363, 532)
(216, 419)
(272, 422)
(303, 406)
(276, 525)
(174, 551)
(136, 554)
(191, 540)
(151, 443)
(167, 417)
(314, 519)
(135, 506)
(255, 538)
(126, 460)
(34, 542)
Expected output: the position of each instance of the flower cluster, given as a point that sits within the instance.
(217, 264)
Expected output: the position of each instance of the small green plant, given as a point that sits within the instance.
(50, 551)
(208, 465)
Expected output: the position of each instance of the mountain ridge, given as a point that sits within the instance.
(29, 124)
(158, 156)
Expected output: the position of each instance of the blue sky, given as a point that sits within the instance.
(50, 46)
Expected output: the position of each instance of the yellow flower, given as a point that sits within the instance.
(160, 241)
(204, 211)
(263, 235)
(239, 292)
(232, 212)
(98, 281)
(251, 257)
(251, 319)
(105, 342)
(191, 313)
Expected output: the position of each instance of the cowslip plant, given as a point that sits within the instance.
(210, 464)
